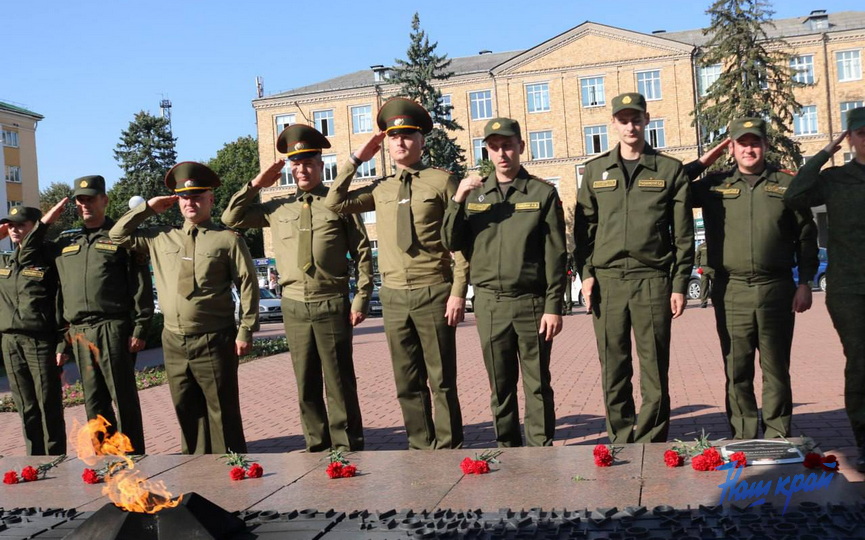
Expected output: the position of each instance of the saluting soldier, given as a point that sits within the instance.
(196, 267)
(842, 190)
(106, 298)
(754, 240)
(707, 274)
(511, 228)
(311, 243)
(28, 324)
(635, 249)
(423, 297)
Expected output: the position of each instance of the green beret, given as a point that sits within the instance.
(301, 141)
(855, 118)
(89, 185)
(20, 214)
(630, 100)
(745, 126)
(189, 178)
(404, 115)
(506, 127)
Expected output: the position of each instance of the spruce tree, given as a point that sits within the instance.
(416, 77)
(756, 78)
(68, 219)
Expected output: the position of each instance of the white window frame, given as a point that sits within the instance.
(285, 177)
(13, 204)
(803, 67)
(13, 173)
(805, 121)
(650, 85)
(330, 166)
(707, 77)
(656, 129)
(846, 106)
(537, 97)
(366, 169)
(446, 101)
(324, 118)
(479, 151)
(368, 217)
(479, 99)
(589, 136)
(10, 138)
(598, 84)
(541, 144)
(849, 69)
(282, 121)
(361, 119)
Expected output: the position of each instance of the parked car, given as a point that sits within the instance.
(819, 279)
(470, 298)
(269, 306)
(374, 304)
(694, 285)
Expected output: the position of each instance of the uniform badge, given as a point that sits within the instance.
(605, 175)
(399, 121)
(299, 146)
(748, 124)
(189, 183)
(652, 183)
(496, 125)
(5, 272)
(13, 211)
(476, 207)
(527, 206)
(83, 183)
(626, 100)
(75, 248)
(481, 197)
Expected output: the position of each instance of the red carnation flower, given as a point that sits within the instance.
(11, 477)
(740, 459)
(255, 471)
(481, 466)
(237, 473)
(713, 457)
(90, 476)
(673, 459)
(830, 458)
(600, 449)
(29, 474)
(603, 456)
(813, 460)
(468, 466)
(348, 471)
(334, 470)
(700, 463)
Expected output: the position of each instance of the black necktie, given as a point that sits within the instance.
(404, 222)
(186, 278)
(304, 243)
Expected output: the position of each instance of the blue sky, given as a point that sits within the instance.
(88, 66)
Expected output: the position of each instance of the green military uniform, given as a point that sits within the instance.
(515, 243)
(417, 282)
(842, 190)
(106, 297)
(635, 236)
(707, 274)
(28, 289)
(315, 304)
(195, 267)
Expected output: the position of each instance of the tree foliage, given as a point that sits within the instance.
(237, 163)
(756, 79)
(416, 76)
(145, 153)
(52, 195)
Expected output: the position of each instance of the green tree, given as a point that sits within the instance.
(416, 76)
(52, 195)
(756, 78)
(236, 163)
(145, 153)
(486, 167)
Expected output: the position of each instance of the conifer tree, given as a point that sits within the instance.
(756, 78)
(416, 77)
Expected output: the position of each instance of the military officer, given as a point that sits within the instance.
(511, 228)
(423, 297)
(106, 297)
(635, 249)
(311, 243)
(754, 240)
(28, 289)
(707, 275)
(196, 267)
(842, 190)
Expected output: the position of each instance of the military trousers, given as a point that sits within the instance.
(706, 280)
(34, 378)
(107, 370)
(424, 357)
(753, 317)
(508, 329)
(202, 377)
(319, 339)
(848, 316)
(620, 305)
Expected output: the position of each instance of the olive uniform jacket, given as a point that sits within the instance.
(28, 290)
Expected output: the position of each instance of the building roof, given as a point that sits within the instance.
(19, 110)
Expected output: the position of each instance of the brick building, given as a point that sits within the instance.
(18, 159)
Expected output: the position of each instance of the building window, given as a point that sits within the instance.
(592, 91)
(481, 104)
(479, 151)
(541, 144)
(848, 157)
(846, 106)
(805, 121)
(803, 68)
(849, 65)
(368, 217)
(12, 204)
(366, 169)
(707, 77)
(373, 245)
(445, 102)
(286, 179)
(655, 134)
(283, 121)
(13, 173)
(649, 84)
(329, 167)
(361, 119)
(324, 122)
(10, 138)
(596, 139)
(538, 97)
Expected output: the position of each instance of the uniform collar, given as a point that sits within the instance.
(765, 175)
(648, 159)
(413, 169)
(204, 225)
(855, 170)
(319, 192)
(520, 182)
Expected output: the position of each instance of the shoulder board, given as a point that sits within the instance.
(662, 155)
(600, 156)
(543, 181)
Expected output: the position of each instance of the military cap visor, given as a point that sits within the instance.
(88, 185)
(747, 126)
(20, 214)
(401, 115)
(505, 127)
(855, 118)
(190, 178)
(301, 141)
(630, 100)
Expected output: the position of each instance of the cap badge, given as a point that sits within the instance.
(626, 100)
(748, 124)
(189, 183)
(13, 211)
(399, 121)
(299, 146)
(496, 125)
(83, 183)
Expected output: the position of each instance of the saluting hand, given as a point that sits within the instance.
(162, 203)
(466, 186)
(712, 155)
(52, 215)
(4, 230)
(371, 148)
(835, 145)
(267, 177)
(61, 359)
(551, 325)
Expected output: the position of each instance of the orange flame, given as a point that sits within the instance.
(124, 484)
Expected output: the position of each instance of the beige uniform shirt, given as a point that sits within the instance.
(221, 260)
(332, 237)
(428, 262)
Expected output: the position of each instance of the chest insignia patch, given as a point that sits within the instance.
(602, 184)
(72, 249)
(32, 272)
(5, 272)
(728, 192)
(102, 246)
(651, 183)
(527, 206)
(475, 207)
(775, 188)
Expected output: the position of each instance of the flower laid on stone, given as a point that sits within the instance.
(740, 458)
(241, 466)
(481, 463)
(339, 466)
(673, 458)
(703, 455)
(709, 460)
(605, 455)
(813, 460)
(97, 476)
(31, 474)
